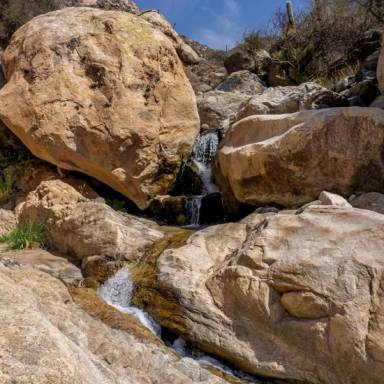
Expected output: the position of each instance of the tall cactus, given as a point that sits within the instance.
(291, 18)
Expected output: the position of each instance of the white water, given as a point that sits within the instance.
(180, 347)
(203, 152)
(117, 291)
(193, 206)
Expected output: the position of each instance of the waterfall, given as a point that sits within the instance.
(193, 206)
(203, 152)
(117, 291)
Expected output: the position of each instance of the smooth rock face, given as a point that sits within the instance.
(289, 159)
(327, 198)
(371, 201)
(186, 53)
(291, 296)
(83, 227)
(105, 94)
(46, 338)
(57, 266)
(7, 221)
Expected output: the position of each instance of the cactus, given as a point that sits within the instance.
(291, 18)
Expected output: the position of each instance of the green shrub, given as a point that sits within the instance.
(6, 188)
(26, 236)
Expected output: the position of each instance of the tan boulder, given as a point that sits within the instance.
(8, 221)
(55, 265)
(185, 51)
(83, 227)
(105, 94)
(45, 337)
(290, 296)
(290, 159)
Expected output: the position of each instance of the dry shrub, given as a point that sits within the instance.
(323, 40)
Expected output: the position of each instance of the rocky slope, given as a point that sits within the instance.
(291, 293)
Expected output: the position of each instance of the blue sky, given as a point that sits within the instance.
(217, 23)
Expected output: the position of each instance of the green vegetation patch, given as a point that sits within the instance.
(26, 236)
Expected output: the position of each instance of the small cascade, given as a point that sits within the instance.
(203, 152)
(117, 291)
(193, 206)
(205, 148)
(181, 347)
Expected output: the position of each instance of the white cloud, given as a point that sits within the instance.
(224, 30)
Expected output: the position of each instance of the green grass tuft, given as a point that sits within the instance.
(26, 236)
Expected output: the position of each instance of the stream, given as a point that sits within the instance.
(117, 291)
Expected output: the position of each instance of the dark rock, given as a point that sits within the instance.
(244, 82)
(212, 210)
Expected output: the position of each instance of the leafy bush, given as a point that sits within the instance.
(26, 236)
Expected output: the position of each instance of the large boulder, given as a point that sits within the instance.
(289, 159)
(46, 337)
(291, 296)
(85, 227)
(105, 94)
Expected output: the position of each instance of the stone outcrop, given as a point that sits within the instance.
(47, 338)
(289, 159)
(371, 201)
(242, 94)
(291, 296)
(185, 52)
(244, 82)
(57, 266)
(7, 221)
(218, 109)
(85, 227)
(278, 100)
(105, 94)
(242, 59)
(109, 5)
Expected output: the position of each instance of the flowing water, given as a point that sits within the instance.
(203, 152)
(117, 291)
